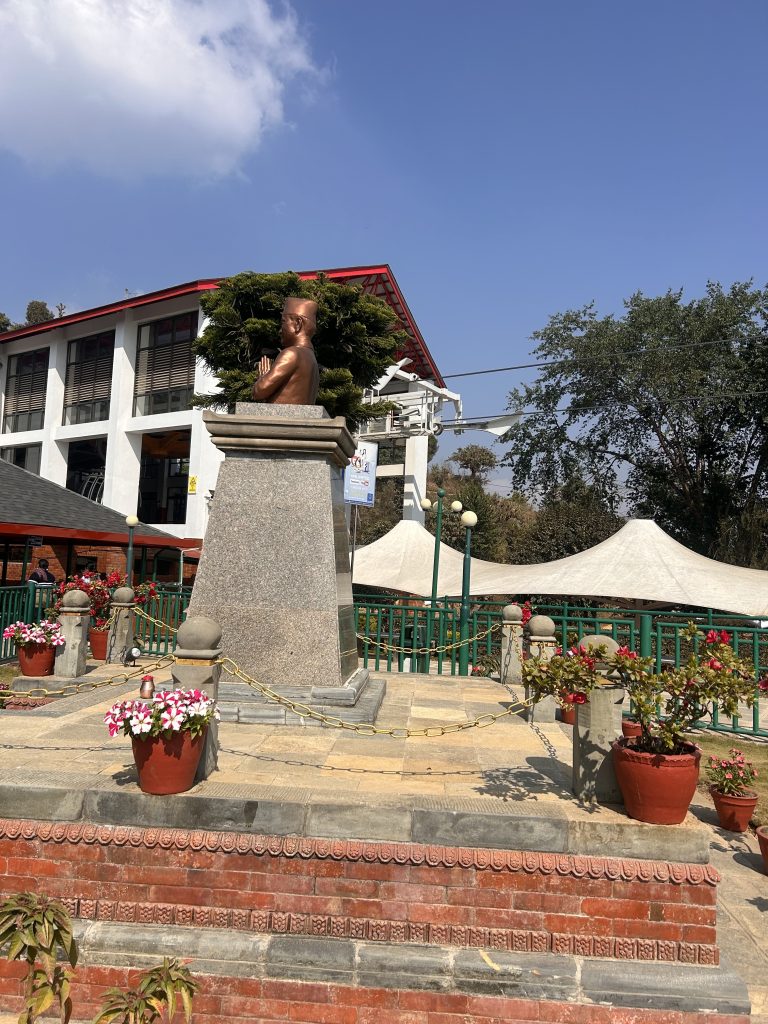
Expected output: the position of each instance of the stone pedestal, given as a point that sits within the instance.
(197, 651)
(74, 618)
(598, 724)
(275, 564)
(121, 627)
(541, 644)
(511, 644)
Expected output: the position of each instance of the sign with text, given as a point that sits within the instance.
(360, 475)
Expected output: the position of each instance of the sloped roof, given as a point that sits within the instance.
(31, 505)
(639, 562)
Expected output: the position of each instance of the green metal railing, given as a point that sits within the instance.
(394, 637)
(168, 608)
(26, 602)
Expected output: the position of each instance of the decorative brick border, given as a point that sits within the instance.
(567, 865)
(615, 908)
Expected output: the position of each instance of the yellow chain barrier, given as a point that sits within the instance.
(365, 728)
(156, 622)
(41, 692)
(384, 646)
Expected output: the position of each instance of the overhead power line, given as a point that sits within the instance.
(616, 355)
(678, 400)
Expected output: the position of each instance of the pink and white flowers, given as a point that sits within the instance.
(168, 712)
(24, 634)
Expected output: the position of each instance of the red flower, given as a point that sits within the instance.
(725, 636)
(712, 637)
(579, 698)
(714, 664)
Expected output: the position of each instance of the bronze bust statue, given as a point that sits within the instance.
(293, 378)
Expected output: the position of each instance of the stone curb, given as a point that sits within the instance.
(419, 968)
(545, 832)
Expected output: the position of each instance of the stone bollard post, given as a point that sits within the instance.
(197, 651)
(121, 628)
(75, 618)
(541, 644)
(598, 724)
(511, 643)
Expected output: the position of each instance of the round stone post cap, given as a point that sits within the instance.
(75, 600)
(541, 625)
(512, 613)
(198, 633)
(124, 595)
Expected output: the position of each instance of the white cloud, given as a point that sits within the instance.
(132, 88)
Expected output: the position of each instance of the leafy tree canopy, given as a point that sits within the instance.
(38, 312)
(6, 324)
(357, 336)
(665, 407)
(475, 459)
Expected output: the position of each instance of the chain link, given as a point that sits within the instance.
(156, 622)
(366, 728)
(384, 646)
(71, 689)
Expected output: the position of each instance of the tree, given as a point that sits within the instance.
(477, 460)
(668, 402)
(572, 518)
(38, 312)
(356, 339)
(6, 324)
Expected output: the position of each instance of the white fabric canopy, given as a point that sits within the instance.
(640, 562)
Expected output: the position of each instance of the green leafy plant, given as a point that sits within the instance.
(154, 998)
(568, 677)
(669, 704)
(37, 929)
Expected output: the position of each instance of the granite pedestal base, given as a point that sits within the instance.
(275, 565)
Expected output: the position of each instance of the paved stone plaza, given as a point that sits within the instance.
(506, 786)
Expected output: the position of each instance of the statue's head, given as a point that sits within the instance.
(299, 319)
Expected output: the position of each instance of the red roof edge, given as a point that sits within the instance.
(191, 288)
(384, 268)
(103, 537)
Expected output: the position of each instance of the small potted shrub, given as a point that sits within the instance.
(100, 592)
(36, 644)
(730, 779)
(167, 733)
(658, 770)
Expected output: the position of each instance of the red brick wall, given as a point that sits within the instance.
(389, 892)
(267, 1001)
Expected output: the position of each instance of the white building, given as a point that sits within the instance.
(100, 401)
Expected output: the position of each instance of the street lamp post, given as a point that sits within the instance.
(131, 522)
(426, 505)
(468, 521)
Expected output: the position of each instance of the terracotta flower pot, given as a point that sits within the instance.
(167, 766)
(734, 812)
(657, 788)
(762, 838)
(568, 715)
(36, 659)
(630, 728)
(98, 640)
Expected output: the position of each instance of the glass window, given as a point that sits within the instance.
(165, 365)
(89, 378)
(27, 457)
(25, 388)
(164, 479)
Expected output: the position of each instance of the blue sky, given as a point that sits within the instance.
(507, 159)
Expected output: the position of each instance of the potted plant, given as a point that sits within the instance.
(730, 779)
(658, 770)
(100, 592)
(167, 733)
(36, 644)
(762, 838)
(568, 677)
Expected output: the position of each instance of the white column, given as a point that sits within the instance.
(415, 483)
(123, 466)
(53, 455)
(204, 457)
